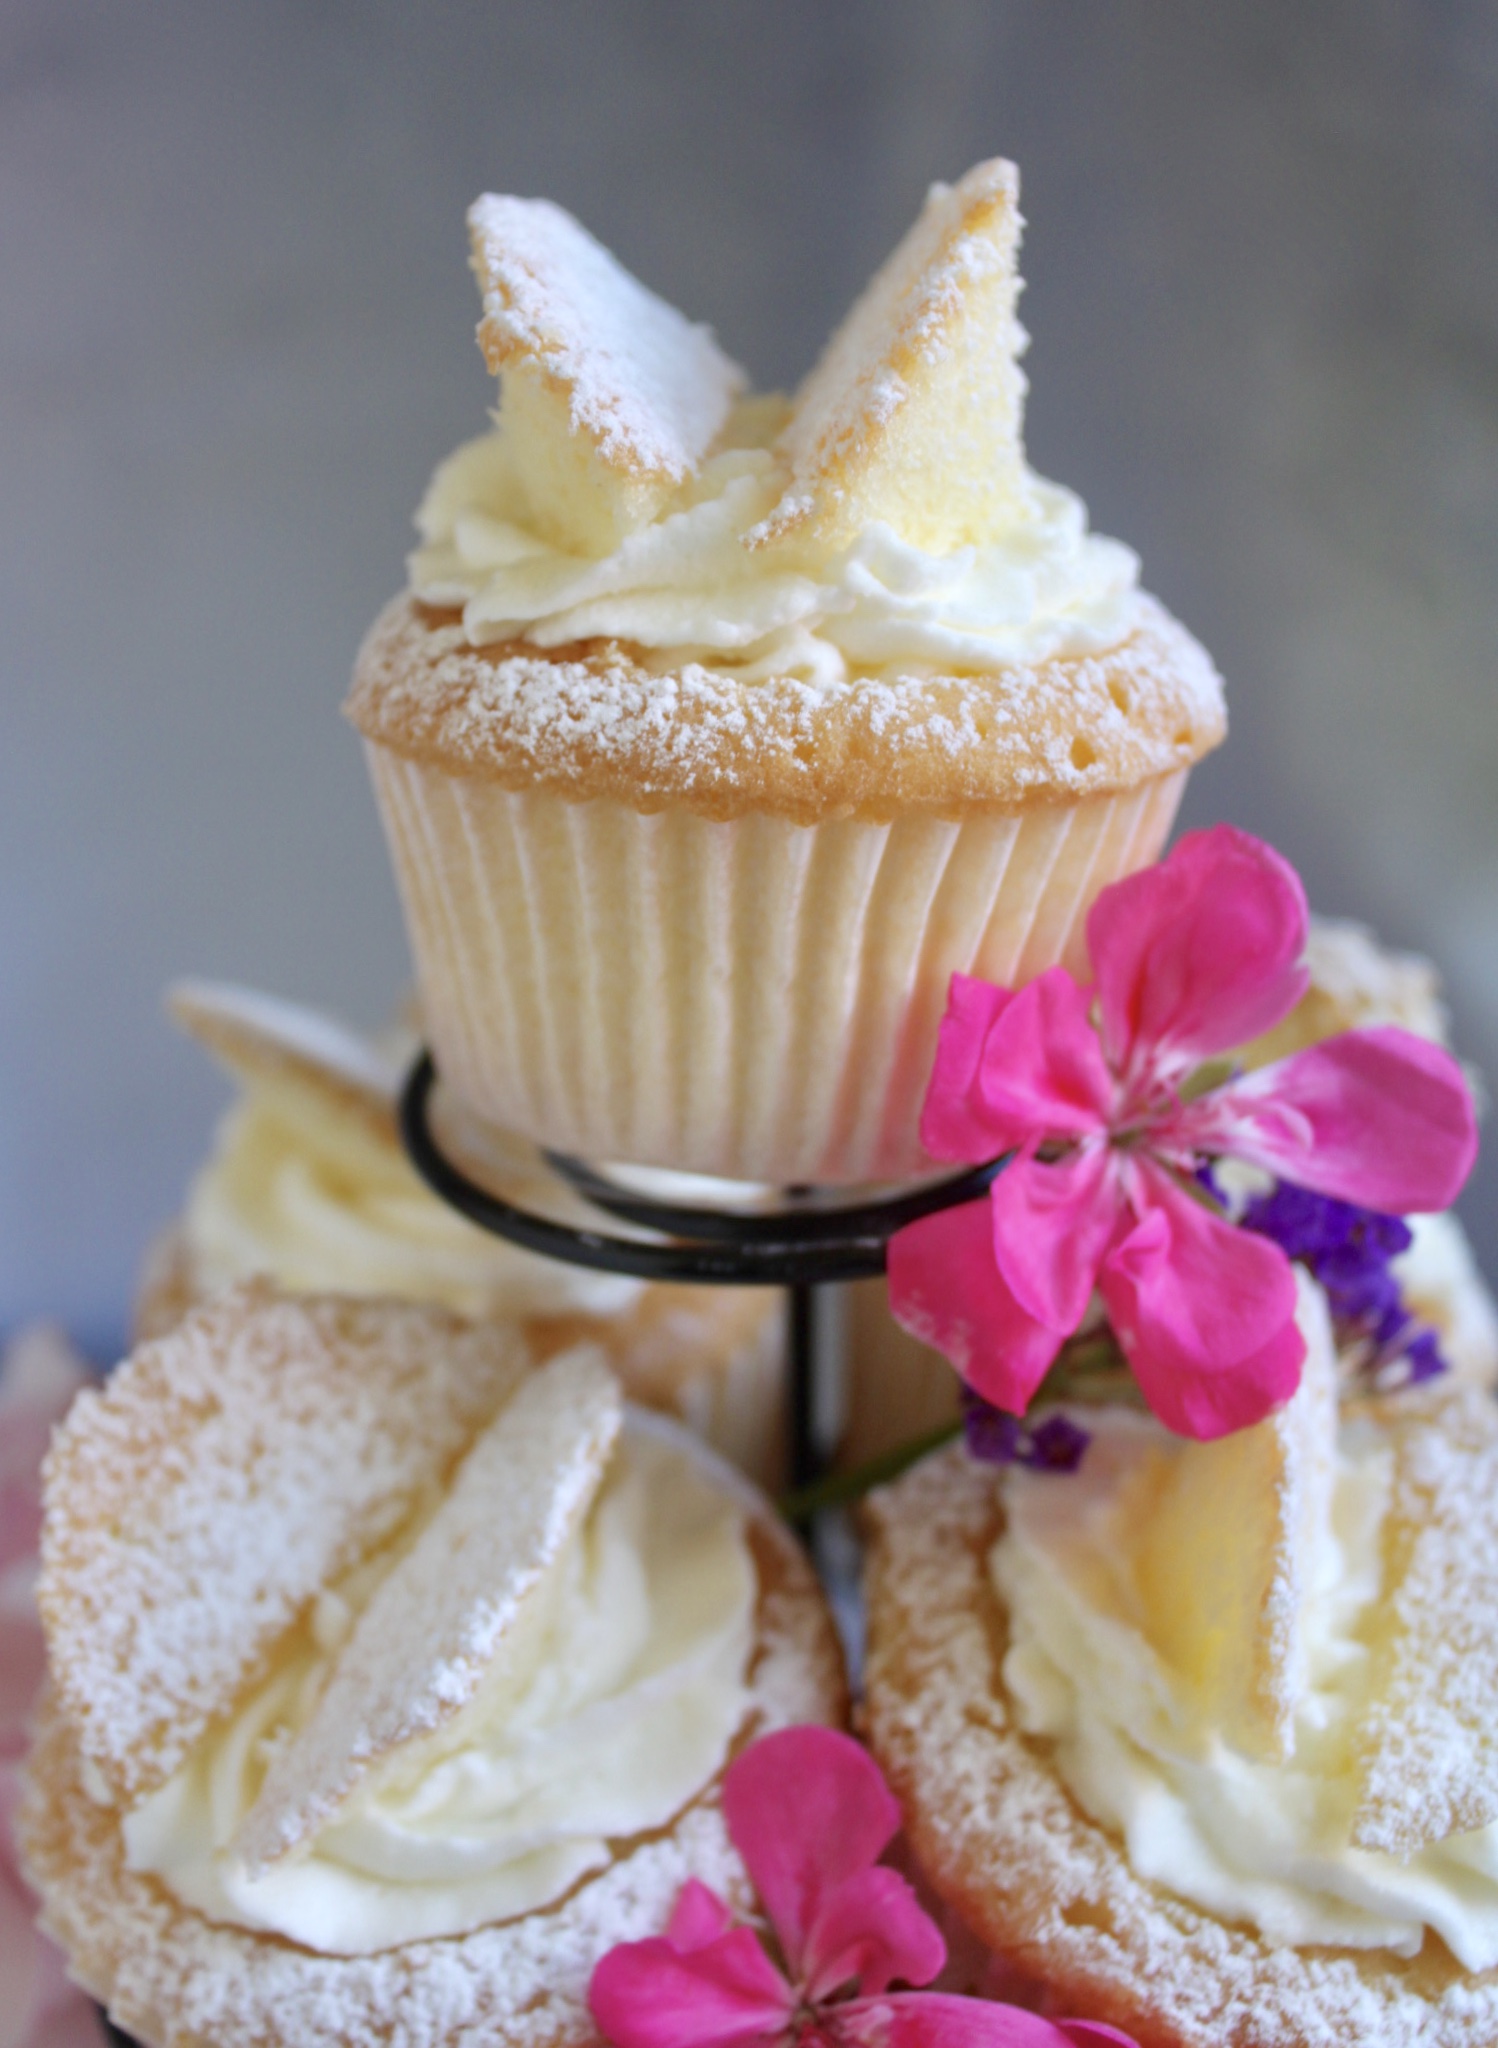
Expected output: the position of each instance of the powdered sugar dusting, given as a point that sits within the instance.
(646, 387)
(946, 293)
(1429, 1741)
(1306, 1432)
(580, 724)
(904, 311)
(261, 1037)
(434, 1624)
(199, 1500)
(1000, 1841)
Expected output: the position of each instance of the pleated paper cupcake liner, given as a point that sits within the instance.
(754, 998)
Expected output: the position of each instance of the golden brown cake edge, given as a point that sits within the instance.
(591, 721)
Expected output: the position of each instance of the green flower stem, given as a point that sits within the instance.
(839, 1488)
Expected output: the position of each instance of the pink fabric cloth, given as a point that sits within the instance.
(38, 1378)
(1095, 1092)
(810, 1814)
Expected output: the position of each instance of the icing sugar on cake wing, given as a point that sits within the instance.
(228, 1471)
(913, 415)
(610, 393)
(420, 1649)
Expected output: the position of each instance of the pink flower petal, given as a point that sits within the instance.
(953, 1119)
(945, 1287)
(1052, 1224)
(1198, 954)
(1378, 1117)
(1042, 1072)
(938, 2019)
(871, 1933)
(698, 1917)
(807, 1808)
(1205, 1313)
(728, 1994)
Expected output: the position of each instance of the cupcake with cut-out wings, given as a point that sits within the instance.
(714, 732)
(1201, 1734)
(393, 1679)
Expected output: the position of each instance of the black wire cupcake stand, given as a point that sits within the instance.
(811, 1240)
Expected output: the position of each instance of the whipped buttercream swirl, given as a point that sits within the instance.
(690, 588)
(609, 1707)
(1265, 1842)
(312, 1195)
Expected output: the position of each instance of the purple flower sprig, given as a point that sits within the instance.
(1350, 1251)
(996, 1438)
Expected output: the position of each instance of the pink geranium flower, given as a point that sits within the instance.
(810, 1814)
(1096, 1092)
(38, 1378)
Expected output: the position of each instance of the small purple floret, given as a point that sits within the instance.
(1057, 1445)
(1349, 1250)
(997, 1438)
(1424, 1358)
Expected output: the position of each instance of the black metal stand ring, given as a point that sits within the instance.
(795, 1246)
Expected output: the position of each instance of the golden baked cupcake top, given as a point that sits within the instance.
(644, 586)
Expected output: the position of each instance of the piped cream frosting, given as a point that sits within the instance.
(608, 1709)
(883, 523)
(1267, 1842)
(692, 588)
(308, 1193)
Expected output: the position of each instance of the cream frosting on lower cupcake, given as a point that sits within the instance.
(610, 1708)
(1247, 1839)
(318, 1201)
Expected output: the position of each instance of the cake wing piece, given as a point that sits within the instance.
(1227, 1558)
(417, 1652)
(614, 395)
(1428, 1742)
(261, 1038)
(198, 1500)
(913, 415)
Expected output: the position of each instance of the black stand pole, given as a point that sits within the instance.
(811, 1240)
(803, 1452)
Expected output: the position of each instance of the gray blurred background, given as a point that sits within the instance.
(236, 334)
